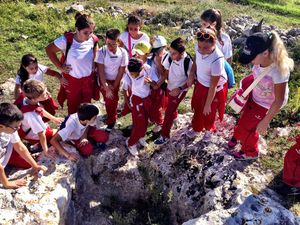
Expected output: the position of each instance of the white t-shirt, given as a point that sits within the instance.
(138, 85)
(211, 65)
(73, 129)
(6, 146)
(112, 62)
(177, 76)
(154, 68)
(80, 56)
(39, 75)
(226, 48)
(263, 93)
(33, 121)
(124, 39)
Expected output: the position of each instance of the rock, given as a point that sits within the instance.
(8, 87)
(295, 32)
(172, 24)
(282, 131)
(74, 8)
(114, 14)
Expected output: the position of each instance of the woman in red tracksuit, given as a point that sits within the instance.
(266, 52)
(210, 90)
(79, 49)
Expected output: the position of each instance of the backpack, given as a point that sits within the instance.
(63, 124)
(69, 37)
(186, 62)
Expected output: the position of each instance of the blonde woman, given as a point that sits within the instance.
(265, 51)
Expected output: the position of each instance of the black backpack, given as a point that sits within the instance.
(186, 62)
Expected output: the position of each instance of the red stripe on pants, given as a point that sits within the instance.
(201, 121)
(158, 102)
(78, 91)
(111, 105)
(171, 112)
(140, 113)
(291, 167)
(245, 130)
(93, 135)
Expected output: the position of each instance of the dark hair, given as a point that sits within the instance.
(214, 15)
(33, 88)
(26, 61)
(207, 35)
(87, 111)
(178, 45)
(135, 65)
(112, 34)
(84, 21)
(9, 113)
(134, 19)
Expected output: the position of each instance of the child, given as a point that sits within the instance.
(31, 69)
(33, 128)
(79, 129)
(133, 35)
(77, 65)
(210, 90)
(265, 51)
(158, 93)
(179, 65)
(10, 121)
(111, 61)
(213, 18)
(139, 82)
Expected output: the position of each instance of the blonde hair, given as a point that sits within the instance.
(279, 55)
(33, 88)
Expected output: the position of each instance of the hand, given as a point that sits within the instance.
(73, 156)
(58, 120)
(15, 183)
(175, 92)
(155, 87)
(39, 168)
(147, 80)
(109, 92)
(50, 153)
(66, 68)
(63, 81)
(83, 142)
(262, 127)
(206, 110)
(190, 81)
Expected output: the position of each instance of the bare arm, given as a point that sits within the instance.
(119, 77)
(55, 142)
(52, 51)
(18, 90)
(191, 77)
(211, 94)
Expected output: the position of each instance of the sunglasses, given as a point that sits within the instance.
(204, 35)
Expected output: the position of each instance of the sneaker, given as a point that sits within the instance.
(206, 136)
(132, 149)
(161, 140)
(157, 128)
(232, 143)
(143, 142)
(242, 156)
(285, 189)
(101, 146)
(192, 134)
(109, 127)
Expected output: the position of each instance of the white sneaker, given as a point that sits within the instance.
(192, 134)
(157, 128)
(143, 142)
(206, 136)
(132, 149)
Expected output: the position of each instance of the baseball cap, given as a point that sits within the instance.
(135, 65)
(142, 48)
(255, 44)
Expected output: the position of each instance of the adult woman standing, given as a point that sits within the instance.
(77, 63)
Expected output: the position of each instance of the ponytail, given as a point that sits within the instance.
(25, 61)
(279, 55)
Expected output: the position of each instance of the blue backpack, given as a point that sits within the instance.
(230, 75)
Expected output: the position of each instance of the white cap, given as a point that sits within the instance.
(159, 41)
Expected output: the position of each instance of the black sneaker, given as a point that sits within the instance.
(287, 190)
(100, 146)
(109, 127)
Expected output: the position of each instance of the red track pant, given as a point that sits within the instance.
(78, 91)
(93, 135)
(171, 112)
(158, 104)
(207, 122)
(16, 160)
(111, 105)
(291, 168)
(140, 111)
(245, 130)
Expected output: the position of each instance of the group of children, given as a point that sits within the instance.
(154, 80)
